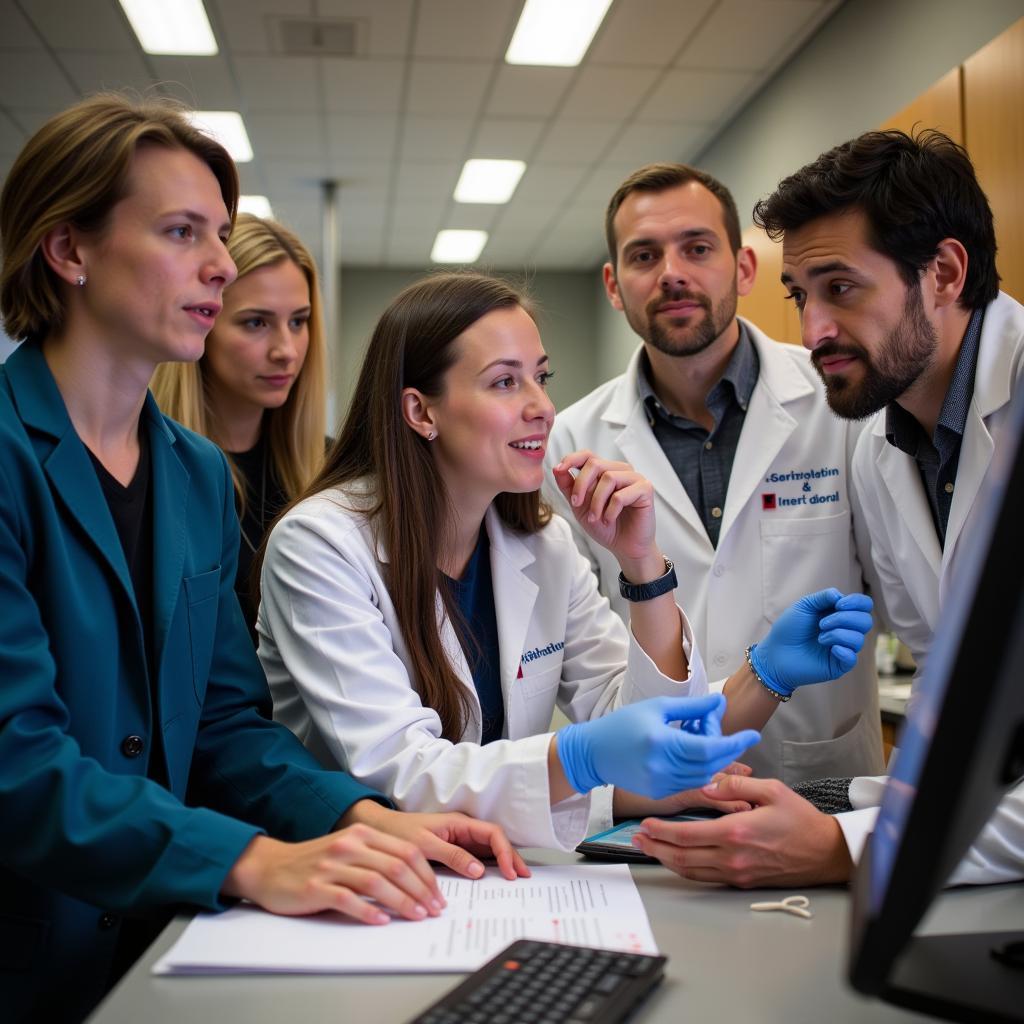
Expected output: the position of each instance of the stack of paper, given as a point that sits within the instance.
(589, 905)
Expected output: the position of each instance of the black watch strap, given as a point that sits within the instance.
(655, 588)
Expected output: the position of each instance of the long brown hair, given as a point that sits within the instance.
(410, 511)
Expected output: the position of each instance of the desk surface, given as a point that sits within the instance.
(725, 963)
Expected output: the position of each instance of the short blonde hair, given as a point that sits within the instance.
(295, 431)
(74, 170)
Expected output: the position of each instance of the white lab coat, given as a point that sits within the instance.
(916, 574)
(766, 557)
(339, 669)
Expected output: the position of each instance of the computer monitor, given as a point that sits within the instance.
(960, 751)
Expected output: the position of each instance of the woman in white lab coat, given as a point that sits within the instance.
(423, 613)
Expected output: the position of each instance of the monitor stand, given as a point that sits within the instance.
(958, 978)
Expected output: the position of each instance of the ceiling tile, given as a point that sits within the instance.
(435, 138)
(647, 142)
(528, 92)
(389, 22)
(748, 34)
(449, 87)
(286, 135)
(361, 137)
(569, 140)
(507, 138)
(419, 214)
(362, 86)
(697, 97)
(30, 120)
(12, 138)
(427, 179)
(472, 216)
(647, 32)
(607, 92)
(203, 82)
(33, 80)
(17, 31)
(465, 28)
(603, 180)
(81, 26)
(278, 83)
(93, 72)
(550, 183)
(246, 26)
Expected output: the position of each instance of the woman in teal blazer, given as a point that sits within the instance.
(139, 768)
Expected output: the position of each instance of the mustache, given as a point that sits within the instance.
(679, 295)
(831, 349)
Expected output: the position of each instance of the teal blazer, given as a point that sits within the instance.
(85, 836)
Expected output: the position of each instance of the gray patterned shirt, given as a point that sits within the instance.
(703, 459)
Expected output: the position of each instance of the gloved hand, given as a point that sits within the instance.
(635, 748)
(813, 641)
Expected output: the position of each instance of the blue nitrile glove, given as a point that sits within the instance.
(636, 749)
(813, 641)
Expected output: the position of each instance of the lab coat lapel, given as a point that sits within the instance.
(767, 425)
(515, 596)
(170, 483)
(65, 459)
(639, 447)
(900, 475)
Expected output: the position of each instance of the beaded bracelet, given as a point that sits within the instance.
(780, 697)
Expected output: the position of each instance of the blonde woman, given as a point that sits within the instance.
(259, 390)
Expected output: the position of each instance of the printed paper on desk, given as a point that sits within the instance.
(590, 905)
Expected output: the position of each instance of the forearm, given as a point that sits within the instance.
(656, 623)
(559, 788)
(750, 705)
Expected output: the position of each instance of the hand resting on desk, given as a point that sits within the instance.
(378, 854)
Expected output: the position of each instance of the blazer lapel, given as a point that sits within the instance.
(170, 483)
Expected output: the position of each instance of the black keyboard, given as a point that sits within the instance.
(548, 983)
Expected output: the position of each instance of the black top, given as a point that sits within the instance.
(131, 508)
(938, 457)
(474, 595)
(264, 498)
(703, 459)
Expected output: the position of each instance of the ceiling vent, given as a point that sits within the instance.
(321, 37)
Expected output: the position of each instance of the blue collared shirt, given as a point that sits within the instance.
(703, 459)
(938, 457)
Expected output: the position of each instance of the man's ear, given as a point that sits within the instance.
(418, 414)
(611, 286)
(949, 270)
(746, 269)
(62, 249)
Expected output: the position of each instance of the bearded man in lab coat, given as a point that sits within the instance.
(750, 467)
(889, 253)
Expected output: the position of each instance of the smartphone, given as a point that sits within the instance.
(616, 843)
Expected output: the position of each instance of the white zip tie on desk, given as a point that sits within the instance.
(796, 905)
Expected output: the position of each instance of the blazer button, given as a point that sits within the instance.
(132, 746)
(107, 921)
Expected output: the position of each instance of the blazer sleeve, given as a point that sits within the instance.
(245, 764)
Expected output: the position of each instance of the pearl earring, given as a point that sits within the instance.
(80, 280)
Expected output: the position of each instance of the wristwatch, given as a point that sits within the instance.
(655, 588)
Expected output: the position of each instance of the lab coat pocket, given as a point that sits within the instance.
(534, 684)
(857, 749)
(800, 556)
(201, 593)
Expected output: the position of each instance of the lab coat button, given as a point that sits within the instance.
(718, 570)
(132, 746)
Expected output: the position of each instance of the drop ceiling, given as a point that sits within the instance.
(427, 89)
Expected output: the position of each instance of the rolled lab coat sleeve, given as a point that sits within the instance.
(997, 855)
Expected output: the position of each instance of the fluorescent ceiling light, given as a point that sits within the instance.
(458, 246)
(258, 206)
(227, 127)
(488, 181)
(555, 32)
(171, 26)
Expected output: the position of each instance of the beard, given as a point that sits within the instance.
(904, 355)
(679, 338)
